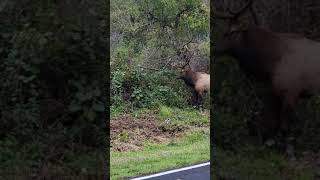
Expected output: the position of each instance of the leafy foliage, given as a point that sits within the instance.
(51, 93)
(146, 36)
(142, 88)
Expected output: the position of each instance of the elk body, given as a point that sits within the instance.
(288, 63)
(198, 81)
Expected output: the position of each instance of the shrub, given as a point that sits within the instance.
(144, 88)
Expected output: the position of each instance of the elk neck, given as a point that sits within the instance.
(190, 78)
(257, 52)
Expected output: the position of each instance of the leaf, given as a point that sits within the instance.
(74, 107)
(83, 97)
(43, 41)
(97, 92)
(26, 80)
(77, 84)
(91, 115)
(37, 60)
(6, 35)
(76, 36)
(98, 107)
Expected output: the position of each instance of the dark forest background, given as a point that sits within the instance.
(53, 87)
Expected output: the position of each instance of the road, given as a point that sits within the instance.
(195, 172)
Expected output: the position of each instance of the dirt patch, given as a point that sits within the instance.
(129, 133)
(306, 160)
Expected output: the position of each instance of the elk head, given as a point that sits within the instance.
(183, 72)
(232, 33)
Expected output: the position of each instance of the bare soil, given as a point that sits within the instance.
(309, 159)
(129, 133)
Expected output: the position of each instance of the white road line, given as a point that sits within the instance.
(172, 171)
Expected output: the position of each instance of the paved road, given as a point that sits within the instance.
(196, 172)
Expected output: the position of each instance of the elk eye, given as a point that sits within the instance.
(233, 34)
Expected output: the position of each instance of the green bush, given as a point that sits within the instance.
(144, 88)
(165, 112)
(51, 93)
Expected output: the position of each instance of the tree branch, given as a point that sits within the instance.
(153, 17)
(179, 15)
(163, 23)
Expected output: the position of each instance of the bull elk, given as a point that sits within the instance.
(287, 63)
(198, 81)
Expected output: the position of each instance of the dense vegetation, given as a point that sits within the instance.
(145, 39)
(52, 93)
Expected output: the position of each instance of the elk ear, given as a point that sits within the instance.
(234, 26)
(239, 25)
(244, 25)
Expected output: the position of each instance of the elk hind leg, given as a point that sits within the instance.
(266, 124)
(194, 98)
(200, 100)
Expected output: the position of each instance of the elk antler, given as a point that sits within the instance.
(191, 39)
(187, 63)
(242, 10)
(183, 53)
(187, 56)
(232, 14)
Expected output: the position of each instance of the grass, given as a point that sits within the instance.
(157, 157)
(258, 164)
(245, 162)
(190, 134)
(182, 119)
(76, 165)
(30, 159)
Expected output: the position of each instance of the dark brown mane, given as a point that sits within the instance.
(190, 77)
(266, 52)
